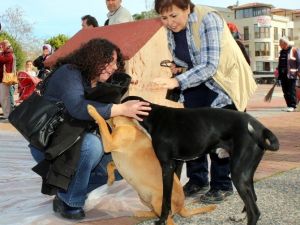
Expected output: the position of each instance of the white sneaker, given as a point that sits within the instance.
(288, 109)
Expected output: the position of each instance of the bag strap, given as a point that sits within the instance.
(41, 86)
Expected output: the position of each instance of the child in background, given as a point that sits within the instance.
(29, 68)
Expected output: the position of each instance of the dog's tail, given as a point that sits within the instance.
(263, 136)
(110, 168)
(184, 212)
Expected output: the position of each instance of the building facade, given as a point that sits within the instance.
(261, 26)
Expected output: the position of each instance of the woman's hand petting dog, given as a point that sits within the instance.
(133, 109)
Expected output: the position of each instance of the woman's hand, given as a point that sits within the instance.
(133, 108)
(175, 70)
(166, 82)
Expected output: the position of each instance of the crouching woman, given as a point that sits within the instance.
(74, 163)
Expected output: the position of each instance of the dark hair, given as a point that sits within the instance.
(164, 5)
(92, 57)
(90, 20)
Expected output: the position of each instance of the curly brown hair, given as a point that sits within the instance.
(92, 57)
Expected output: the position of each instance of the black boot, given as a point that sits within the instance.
(66, 211)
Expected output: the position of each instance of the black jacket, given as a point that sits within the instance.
(283, 62)
(62, 155)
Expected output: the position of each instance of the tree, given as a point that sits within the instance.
(18, 51)
(145, 15)
(13, 23)
(57, 41)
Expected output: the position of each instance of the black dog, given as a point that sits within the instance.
(185, 134)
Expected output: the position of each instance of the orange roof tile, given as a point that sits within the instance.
(130, 37)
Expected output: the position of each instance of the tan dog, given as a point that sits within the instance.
(134, 157)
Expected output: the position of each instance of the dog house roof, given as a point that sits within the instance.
(130, 37)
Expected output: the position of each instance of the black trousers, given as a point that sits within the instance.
(289, 91)
(197, 170)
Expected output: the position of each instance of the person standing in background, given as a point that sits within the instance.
(39, 61)
(89, 21)
(117, 13)
(7, 62)
(286, 76)
(237, 37)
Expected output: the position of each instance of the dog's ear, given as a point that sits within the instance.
(128, 98)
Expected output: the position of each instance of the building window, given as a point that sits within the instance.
(259, 66)
(263, 66)
(247, 50)
(282, 32)
(262, 49)
(276, 51)
(275, 65)
(246, 33)
(290, 34)
(261, 11)
(248, 13)
(275, 33)
(261, 32)
(239, 14)
(243, 13)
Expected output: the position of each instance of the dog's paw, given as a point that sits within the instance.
(110, 181)
(238, 217)
(159, 222)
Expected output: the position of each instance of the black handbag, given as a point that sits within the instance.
(36, 118)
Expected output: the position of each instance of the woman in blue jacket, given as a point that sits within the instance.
(96, 61)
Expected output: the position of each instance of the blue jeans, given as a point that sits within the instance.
(11, 96)
(90, 174)
(197, 171)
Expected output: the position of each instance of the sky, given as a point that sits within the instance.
(52, 17)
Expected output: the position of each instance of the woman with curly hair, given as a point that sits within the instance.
(96, 61)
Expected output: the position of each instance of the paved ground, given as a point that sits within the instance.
(272, 168)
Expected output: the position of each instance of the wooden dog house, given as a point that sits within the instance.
(143, 44)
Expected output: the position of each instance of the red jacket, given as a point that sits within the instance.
(6, 59)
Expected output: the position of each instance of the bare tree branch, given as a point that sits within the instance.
(13, 22)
